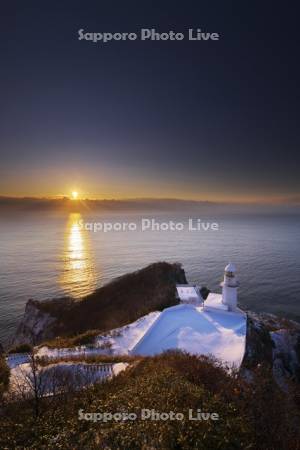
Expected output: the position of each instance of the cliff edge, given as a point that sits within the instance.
(118, 303)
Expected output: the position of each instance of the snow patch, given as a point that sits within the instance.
(118, 341)
(197, 331)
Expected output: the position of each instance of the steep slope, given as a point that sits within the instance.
(120, 302)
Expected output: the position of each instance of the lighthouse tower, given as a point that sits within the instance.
(229, 287)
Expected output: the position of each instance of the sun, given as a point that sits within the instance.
(74, 195)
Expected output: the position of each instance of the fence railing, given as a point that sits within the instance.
(21, 358)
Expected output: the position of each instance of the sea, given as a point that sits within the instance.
(44, 255)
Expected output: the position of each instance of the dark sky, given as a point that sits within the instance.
(202, 120)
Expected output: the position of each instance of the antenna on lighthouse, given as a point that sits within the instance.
(229, 287)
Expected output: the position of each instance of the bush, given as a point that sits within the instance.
(21, 348)
(85, 338)
(4, 376)
(252, 416)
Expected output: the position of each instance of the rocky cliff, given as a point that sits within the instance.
(35, 326)
(122, 301)
(270, 341)
(274, 342)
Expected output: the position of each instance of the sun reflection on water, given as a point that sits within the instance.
(78, 275)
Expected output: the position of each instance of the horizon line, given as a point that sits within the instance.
(295, 200)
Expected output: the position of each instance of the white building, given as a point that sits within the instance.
(229, 287)
(227, 301)
(215, 326)
(189, 293)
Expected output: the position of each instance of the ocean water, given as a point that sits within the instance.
(47, 255)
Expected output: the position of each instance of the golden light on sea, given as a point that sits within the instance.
(78, 273)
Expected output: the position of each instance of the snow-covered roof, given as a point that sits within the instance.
(187, 292)
(215, 301)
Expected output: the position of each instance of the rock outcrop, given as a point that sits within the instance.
(271, 341)
(259, 345)
(35, 326)
(275, 342)
(118, 303)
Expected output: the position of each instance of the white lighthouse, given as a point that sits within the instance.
(229, 287)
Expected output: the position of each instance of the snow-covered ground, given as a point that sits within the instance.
(208, 330)
(122, 340)
(16, 359)
(198, 331)
(118, 341)
(57, 377)
(211, 330)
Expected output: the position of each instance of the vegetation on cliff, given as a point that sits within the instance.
(255, 415)
(4, 376)
(118, 303)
